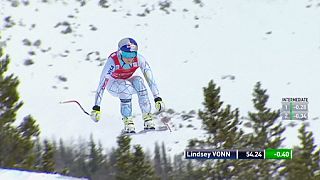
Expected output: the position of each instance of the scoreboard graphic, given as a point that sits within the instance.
(294, 108)
(238, 154)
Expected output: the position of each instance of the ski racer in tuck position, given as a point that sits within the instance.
(119, 79)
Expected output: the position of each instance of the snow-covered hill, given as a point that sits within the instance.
(11, 174)
(57, 49)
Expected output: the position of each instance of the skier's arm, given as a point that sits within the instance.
(146, 70)
(147, 73)
(104, 78)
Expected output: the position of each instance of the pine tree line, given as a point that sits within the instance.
(264, 130)
(17, 142)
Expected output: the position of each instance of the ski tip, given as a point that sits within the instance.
(128, 133)
(149, 129)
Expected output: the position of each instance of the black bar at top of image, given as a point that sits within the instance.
(250, 154)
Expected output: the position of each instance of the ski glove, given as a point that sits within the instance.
(159, 104)
(95, 113)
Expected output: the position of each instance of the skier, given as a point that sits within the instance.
(119, 79)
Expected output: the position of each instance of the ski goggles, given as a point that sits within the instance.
(125, 54)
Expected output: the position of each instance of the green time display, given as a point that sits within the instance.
(278, 154)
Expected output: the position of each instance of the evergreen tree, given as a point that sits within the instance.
(96, 158)
(9, 106)
(178, 167)
(266, 125)
(203, 172)
(29, 131)
(191, 171)
(48, 164)
(166, 164)
(112, 160)
(188, 170)
(306, 159)
(105, 169)
(9, 96)
(16, 143)
(124, 158)
(267, 133)
(142, 169)
(37, 149)
(79, 166)
(63, 158)
(221, 124)
(157, 160)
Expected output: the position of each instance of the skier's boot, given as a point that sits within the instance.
(128, 125)
(148, 122)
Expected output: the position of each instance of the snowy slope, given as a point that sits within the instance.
(11, 174)
(275, 42)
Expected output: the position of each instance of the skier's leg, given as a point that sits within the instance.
(124, 90)
(138, 85)
(144, 101)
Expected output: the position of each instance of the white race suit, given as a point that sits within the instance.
(117, 77)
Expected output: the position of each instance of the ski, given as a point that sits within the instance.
(144, 131)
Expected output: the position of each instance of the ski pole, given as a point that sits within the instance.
(74, 101)
(165, 121)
